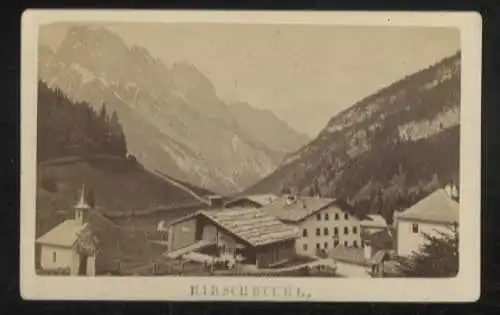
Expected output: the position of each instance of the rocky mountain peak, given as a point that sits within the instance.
(172, 118)
(94, 49)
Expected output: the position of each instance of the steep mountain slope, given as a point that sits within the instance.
(387, 150)
(171, 116)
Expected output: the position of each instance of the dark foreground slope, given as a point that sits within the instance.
(117, 185)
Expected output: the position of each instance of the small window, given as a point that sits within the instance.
(304, 247)
(326, 245)
(318, 232)
(346, 216)
(318, 246)
(345, 243)
(304, 232)
(346, 230)
(355, 244)
(337, 216)
(327, 217)
(354, 230)
(414, 228)
(318, 216)
(326, 231)
(54, 257)
(335, 243)
(335, 231)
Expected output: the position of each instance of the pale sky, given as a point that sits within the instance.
(304, 74)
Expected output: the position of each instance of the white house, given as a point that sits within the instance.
(324, 223)
(435, 214)
(57, 246)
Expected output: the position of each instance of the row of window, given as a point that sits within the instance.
(325, 245)
(326, 231)
(327, 217)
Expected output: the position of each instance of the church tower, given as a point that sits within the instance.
(82, 209)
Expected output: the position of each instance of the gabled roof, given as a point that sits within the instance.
(380, 240)
(374, 221)
(438, 207)
(262, 199)
(380, 256)
(66, 233)
(113, 242)
(253, 226)
(63, 235)
(302, 207)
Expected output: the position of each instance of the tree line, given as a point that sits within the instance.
(68, 128)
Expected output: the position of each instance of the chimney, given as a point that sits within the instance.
(215, 201)
(291, 199)
(81, 209)
(367, 250)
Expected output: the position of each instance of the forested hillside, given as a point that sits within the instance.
(78, 146)
(388, 150)
(67, 128)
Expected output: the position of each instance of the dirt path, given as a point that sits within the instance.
(180, 186)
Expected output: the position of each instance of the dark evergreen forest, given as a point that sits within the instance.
(75, 129)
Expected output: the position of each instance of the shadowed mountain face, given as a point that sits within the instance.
(172, 118)
(386, 151)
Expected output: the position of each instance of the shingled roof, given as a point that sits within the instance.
(262, 199)
(253, 226)
(374, 221)
(438, 207)
(301, 207)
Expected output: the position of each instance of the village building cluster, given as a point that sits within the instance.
(261, 232)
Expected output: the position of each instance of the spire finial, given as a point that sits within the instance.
(82, 203)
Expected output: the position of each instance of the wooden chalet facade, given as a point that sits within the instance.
(248, 235)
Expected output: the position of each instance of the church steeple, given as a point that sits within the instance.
(81, 208)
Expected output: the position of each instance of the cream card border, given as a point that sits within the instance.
(465, 287)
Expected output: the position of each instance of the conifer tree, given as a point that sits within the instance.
(67, 128)
(437, 258)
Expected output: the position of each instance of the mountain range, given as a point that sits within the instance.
(172, 118)
(387, 150)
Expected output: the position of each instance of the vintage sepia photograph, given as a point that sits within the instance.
(210, 154)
